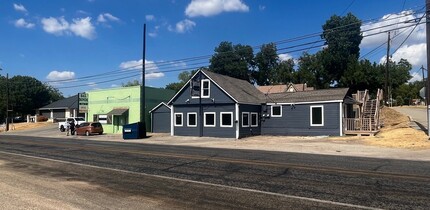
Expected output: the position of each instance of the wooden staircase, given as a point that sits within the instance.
(368, 122)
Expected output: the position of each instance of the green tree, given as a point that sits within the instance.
(266, 62)
(131, 83)
(26, 94)
(284, 72)
(343, 38)
(233, 60)
(183, 78)
(311, 71)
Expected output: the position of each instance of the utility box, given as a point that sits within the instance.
(133, 131)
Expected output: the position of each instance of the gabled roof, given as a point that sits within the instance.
(270, 89)
(332, 94)
(240, 90)
(160, 104)
(267, 89)
(67, 103)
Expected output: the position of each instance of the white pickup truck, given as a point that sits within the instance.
(63, 125)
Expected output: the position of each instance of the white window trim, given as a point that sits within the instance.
(188, 119)
(249, 116)
(322, 115)
(271, 111)
(220, 122)
(256, 114)
(201, 88)
(182, 119)
(204, 119)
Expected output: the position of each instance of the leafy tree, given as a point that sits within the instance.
(26, 94)
(183, 78)
(343, 37)
(311, 71)
(131, 83)
(233, 60)
(361, 75)
(284, 72)
(266, 62)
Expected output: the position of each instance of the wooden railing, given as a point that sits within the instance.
(352, 125)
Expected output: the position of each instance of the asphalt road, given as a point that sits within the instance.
(418, 114)
(98, 175)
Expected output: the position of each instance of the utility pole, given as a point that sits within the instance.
(428, 61)
(142, 88)
(386, 70)
(7, 101)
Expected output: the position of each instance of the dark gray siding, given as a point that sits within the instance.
(295, 120)
(161, 120)
(45, 113)
(59, 113)
(216, 131)
(249, 131)
(216, 95)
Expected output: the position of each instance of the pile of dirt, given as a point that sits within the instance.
(395, 133)
(392, 119)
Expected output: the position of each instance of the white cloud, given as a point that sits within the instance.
(82, 27)
(60, 75)
(149, 17)
(393, 22)
(208, 8)
(103, 18)
(91, 84)
(261, 7)
(416, 77)
(182, 26)
(21, 23)
(20, 8)
(56, 26)
(151, 70)
(415, 54)
(79, 27)
(285, 57)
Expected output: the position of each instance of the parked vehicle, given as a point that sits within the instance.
(89, 128)
(63, 125)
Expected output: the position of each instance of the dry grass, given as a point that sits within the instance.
(25, 126)
(395, 133)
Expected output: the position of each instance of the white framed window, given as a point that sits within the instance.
(226, 119)
(276, 111)
(254, 119)
(317, 115)
(209, 119)
(245, 119)
(192, 119)
(205, 88)
(179, 118)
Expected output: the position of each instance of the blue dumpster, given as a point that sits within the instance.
(133, 131)
(130, 131)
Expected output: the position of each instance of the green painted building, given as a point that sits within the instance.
(116, 107)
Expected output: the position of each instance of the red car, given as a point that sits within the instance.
(89, 128)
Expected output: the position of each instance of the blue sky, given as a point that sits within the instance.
(82, 45)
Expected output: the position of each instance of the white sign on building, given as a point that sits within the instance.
(83, 102)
